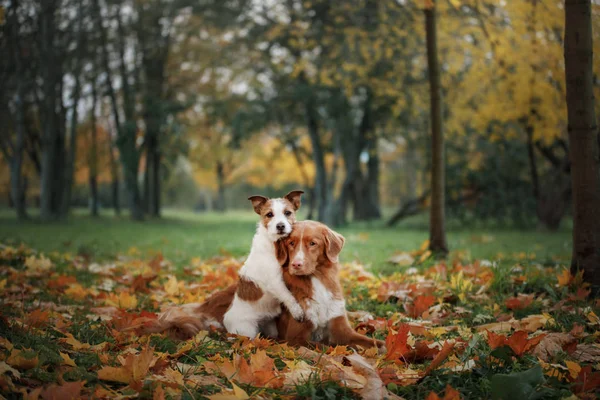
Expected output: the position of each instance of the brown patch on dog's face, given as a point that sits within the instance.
(310, 245)
(248, 290)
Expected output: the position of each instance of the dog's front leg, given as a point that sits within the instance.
(280, 292)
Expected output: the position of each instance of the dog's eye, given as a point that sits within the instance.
(288, 213)
(269, 215)
(292, 243)
(312, 243)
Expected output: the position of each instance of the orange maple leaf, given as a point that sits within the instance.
(419, 305)
(520, 344)
(450, 394)
(495, 340)
(69, 390)
(133, 369)
(441, 356)
(520, 302)
(396, 343)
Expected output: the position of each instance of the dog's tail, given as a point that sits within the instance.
(181, 322)
(185, 321)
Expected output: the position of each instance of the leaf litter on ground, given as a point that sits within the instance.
(70, 328)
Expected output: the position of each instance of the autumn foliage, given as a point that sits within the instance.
(71, 328)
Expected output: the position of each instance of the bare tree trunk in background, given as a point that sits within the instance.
(437, 230)
(69, 169)
(51, 140)
(155, 50)
(17, 184)
(126, 132)
(372, 192)
(305, 179)
(583, 140)
(93, 167)
(319, 160)
(220, 204)
(115, 181)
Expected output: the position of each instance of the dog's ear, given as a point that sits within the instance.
(294, 198)
(258, 202)
(281, 251)
(334, 242)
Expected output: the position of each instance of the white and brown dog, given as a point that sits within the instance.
(261, 289)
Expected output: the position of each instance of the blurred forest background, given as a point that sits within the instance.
(139, 105)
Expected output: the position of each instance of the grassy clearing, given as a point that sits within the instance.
(182, 235)
(68, 320)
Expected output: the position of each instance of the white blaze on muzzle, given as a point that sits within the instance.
(299, 257)
(279, 217)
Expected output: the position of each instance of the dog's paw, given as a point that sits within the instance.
(297, 312)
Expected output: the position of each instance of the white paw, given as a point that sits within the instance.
(297, 312)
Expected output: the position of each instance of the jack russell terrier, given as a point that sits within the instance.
(261, 289)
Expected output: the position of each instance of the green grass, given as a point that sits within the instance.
(181, 235)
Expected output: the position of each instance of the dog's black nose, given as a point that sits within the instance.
(280, 226)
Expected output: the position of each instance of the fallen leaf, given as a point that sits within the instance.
(396, 343)
(551, 345)
(402, 259)
(236, 394)
(419, 305)
(23, 359)
(134, 367)
(172, 286)
(586, 381)
(441, 356)
(520, 302)
(374, 389)
(520, 344)
(66, 391)
(67, 360)
(587, 353)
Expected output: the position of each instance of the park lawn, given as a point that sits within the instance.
(183, 235)
(71, 316)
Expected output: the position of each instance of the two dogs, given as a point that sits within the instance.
(294, 264)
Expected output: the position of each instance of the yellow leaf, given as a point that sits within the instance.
(237, 394)
(67, 360)
(123, 300)
(172, 286)
(20, 359)
(76, 291)
(593, 318)
(564, 278)
(114, 374)
(40, 264)
(574, 368)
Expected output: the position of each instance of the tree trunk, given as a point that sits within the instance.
(309, 188)
(583, 141)
(319, 160)
(69, 169)
(155, 51)
(50, 139)
(220, 206)
(126, 132)
(16, 161)
(372, 192)
(437, 231)
(114, 172)
(93, 167)
(147, 166)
